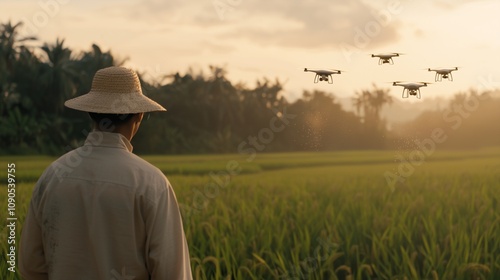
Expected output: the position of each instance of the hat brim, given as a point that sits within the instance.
(95, 102)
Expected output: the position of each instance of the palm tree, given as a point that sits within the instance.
(361, 102)
(377, 99)
(368, 103)
(17, 120)
(59, 73)
(9, 45)
(10, 51)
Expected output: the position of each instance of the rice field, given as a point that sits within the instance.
(331, 215)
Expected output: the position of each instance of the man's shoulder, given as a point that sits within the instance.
(157, 183)
(127, 162)
(146, 166)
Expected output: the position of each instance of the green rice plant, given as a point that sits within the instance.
(327, 215)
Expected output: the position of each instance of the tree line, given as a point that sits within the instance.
(207, 113)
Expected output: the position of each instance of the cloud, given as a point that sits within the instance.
(169, 12)
(313, 24)
(282, 23)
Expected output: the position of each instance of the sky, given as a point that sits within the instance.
(277, 39)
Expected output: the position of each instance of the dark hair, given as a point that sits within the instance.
(107, 122)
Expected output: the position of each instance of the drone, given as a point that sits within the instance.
(443, 73)
(410, 88)
(323, 75)
(385, 58)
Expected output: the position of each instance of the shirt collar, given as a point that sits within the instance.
(108, 139)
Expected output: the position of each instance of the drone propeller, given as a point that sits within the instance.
(307, 69)
(311, 68)
(322, 69)
(438, 68)
(414, 82)
(388, 53)
(397, 82)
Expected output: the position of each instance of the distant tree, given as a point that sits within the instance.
(34, 83)
(468, 121)
(258, 105)
(368, 104)
(59, 73)
(18, 119)
(10, 45)
(322, 124)
(361, 104)
(378, 99)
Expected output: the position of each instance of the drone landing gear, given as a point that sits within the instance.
(385, 61)
(412, 92)
(321, 78)
(440, 77)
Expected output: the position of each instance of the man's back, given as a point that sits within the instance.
(104, 213)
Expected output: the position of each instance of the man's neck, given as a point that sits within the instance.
(125, 130)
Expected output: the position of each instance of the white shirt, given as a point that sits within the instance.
(101, 212)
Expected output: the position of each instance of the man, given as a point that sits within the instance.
(99, 211)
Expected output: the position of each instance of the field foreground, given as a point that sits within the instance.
(336, 215)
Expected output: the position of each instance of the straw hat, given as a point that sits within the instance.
(115, 90)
